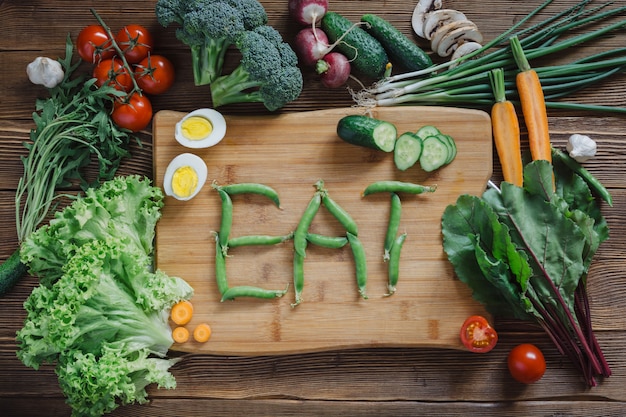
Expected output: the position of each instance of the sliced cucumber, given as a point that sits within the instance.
(407, 151)
(426, 131)
(449, 141)
(367, 131)
(434, 153)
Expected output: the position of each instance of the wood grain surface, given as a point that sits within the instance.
(290, 153)
(375, 381)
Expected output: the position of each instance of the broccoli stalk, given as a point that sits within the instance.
(267, 73)
(209, 28)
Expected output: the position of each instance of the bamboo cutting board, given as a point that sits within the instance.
(291, 152)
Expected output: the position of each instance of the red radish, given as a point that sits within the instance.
(307, 12)
(334, 69)
(311, 44)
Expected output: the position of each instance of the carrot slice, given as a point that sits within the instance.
(202, 332)
(182, 312)
(506, 131)
(180, 334)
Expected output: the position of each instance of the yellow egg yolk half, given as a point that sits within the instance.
(196, 127)
(184, 181)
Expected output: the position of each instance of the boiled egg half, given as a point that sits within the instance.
(201, 128)
(185, 176)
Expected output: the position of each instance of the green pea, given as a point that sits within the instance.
(299, 236)
(220, 266)
(227, 217)
(253, 292)
(258, 240)
(252, 188)
(397, 187)
(330, 242)
(340, 214)
(360, 262)
(394, 224)
(394, 263)
(298, 277)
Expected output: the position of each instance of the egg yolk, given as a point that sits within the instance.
(184, 181)
(196, 127)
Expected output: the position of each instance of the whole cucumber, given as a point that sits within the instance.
(367, 56)
(400, 48)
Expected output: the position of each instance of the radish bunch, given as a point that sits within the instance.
(312, 46)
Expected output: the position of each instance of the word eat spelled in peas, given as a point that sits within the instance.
(302, 236)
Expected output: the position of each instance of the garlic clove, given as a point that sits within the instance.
(581, 147)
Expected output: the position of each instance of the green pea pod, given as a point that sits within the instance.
(252, 292)
(252, 188)
(220, 266)
(394, 263)
(340, 214)
(398, 187)
(394, 224)
(227, 217)
(298, 277)
(258, 240)
(299, 236)
(360, 262)
(330, 242)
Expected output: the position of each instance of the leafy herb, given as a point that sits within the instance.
(71, 127)
(525, 253)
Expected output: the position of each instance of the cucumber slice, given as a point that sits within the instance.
(434, 154)
(407, 151)
(367, 131)
(449, 141)
(426, 131)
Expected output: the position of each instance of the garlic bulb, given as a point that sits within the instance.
(45, 71)
(581, 147)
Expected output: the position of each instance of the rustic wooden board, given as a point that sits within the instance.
(290, 152)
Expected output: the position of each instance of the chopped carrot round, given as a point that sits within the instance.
(180, 335)
(182, 312)
(202, 332)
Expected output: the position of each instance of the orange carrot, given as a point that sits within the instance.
(533, 105)
(180, 334)
(506, 131)
(202, 332)
(182, 312)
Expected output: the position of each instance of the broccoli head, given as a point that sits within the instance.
(209, 27)
(268, 72)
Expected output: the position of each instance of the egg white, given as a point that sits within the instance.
(185, 159)
(213, 138)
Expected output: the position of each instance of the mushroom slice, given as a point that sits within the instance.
(419, 14)
(465, 48)
(438, 18)
(456, 37)
(443, 31)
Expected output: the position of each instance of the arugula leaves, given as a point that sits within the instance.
(525, 253)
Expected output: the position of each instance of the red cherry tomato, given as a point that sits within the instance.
(477, 335)
(155, 74)
(526, 363)
(112, 72)
(133, 113)
(93, 44)
(135, 41)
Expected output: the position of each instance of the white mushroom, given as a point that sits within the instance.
(463, 49)
(435, 19)
(453, 38)
(419, 14)
(444, 33)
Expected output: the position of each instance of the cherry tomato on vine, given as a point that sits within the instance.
(133, 113)
(93, 44)
(526, 363)
(112, 72)
(154, 74)
(477, 335)
(135, 41)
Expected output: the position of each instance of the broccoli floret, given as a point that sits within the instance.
(268, 72)
(209, 27)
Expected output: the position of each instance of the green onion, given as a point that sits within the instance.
(465, 82)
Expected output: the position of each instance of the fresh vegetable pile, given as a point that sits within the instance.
(525, 252)
(100, 314)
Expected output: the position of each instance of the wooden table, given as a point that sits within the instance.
(374, 381)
